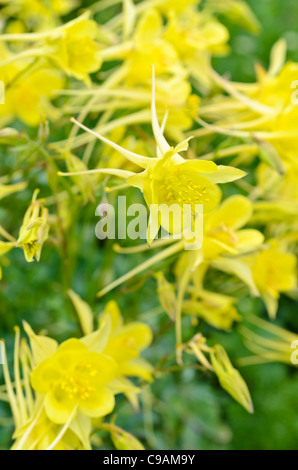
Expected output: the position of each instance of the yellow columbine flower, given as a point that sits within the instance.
(72, 46)
(223, 232)
(29, 99)
(33, 428)
(196, 36)
(34, 230)
(76, 51)
(122, 342)
(74, 379)
(169, 178)
(194, 32)
(60, 393)
(274, 271)
(224, 240)
(149, 47)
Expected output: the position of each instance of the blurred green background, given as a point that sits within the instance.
(182, 409)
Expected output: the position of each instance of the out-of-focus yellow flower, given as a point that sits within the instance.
(238, 12)
(76, 51)
(175, 5)
(268, 342)
(229, 378)
(126, 342)
(29, 99)
(224, 240)
(148, 48)
(263, 109)
(196, 37)
(8, 71)
(223, 231)
(216, 309)
(278, 195)
(39, 13)
(195, 32)
(174, 97)
(274, 272)
(34, 230)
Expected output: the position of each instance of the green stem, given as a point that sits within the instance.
(230, 151)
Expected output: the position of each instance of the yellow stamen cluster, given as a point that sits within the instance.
(176, 188)
(76, 383)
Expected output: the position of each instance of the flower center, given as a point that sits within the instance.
(77, 383)
(181, 189)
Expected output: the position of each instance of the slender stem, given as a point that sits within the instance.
(43, 35)
(19, 391)
(31, 53)
(63, 430)
(113, 172)
(113, 80)
(143, 116)
(9, 387)
(141, 248)
(23, 73)
(103, 4)
(178, 320)
(230, 151)
(142, 267)
(29, 430)
(115, 52)
(6, 235)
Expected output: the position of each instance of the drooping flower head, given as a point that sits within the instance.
(35, 229)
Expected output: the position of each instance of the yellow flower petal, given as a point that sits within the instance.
(225, 174)
(58, 405)
(100, 404)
